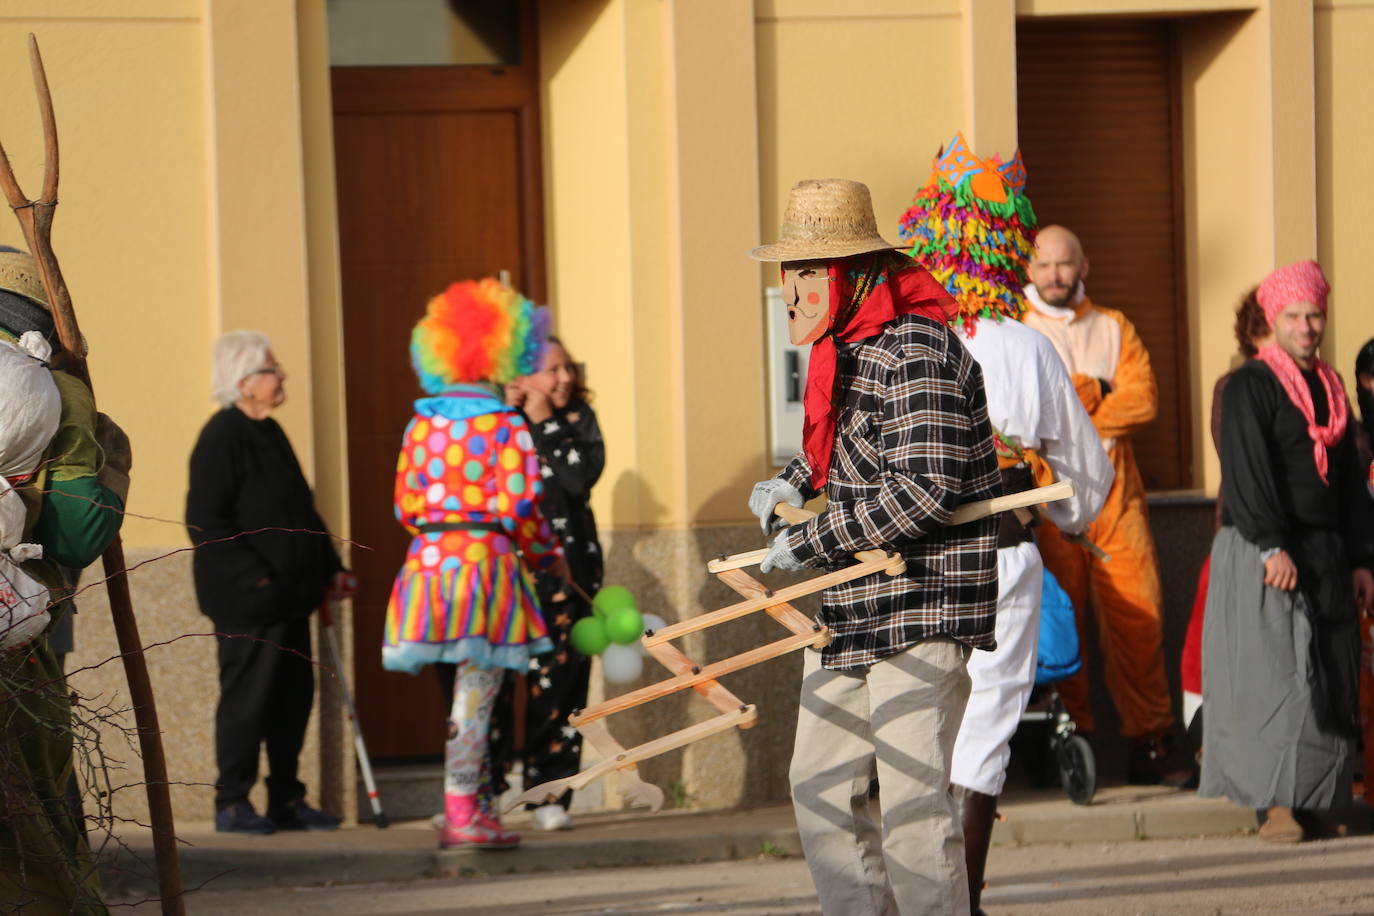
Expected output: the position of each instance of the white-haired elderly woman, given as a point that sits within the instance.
(263, 562)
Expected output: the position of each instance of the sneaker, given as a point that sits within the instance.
(479, 833)
(297, 815)
(240, 817)
(551, 817)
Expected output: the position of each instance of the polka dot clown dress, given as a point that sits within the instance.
(468, 488)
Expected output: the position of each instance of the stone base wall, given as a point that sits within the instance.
(180, 653)
(667, 572)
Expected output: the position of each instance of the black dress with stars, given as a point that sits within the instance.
(572, 456)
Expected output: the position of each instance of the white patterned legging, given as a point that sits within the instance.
(465, 752)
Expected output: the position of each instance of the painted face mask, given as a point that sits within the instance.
(806, 295)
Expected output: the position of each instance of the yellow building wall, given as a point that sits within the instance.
(651, 205)
(1345, 196)
(184, 211)
(132, 229)
(605, 178)
(861, 89)
(1225, 111)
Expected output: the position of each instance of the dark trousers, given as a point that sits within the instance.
(555, 685)
(265, 694)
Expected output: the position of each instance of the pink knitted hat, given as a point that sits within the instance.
(1300, 282)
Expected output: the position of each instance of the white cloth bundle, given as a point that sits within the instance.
(30, 410)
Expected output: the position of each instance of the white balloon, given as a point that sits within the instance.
(621, 664)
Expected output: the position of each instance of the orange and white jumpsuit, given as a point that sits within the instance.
(1099, 343)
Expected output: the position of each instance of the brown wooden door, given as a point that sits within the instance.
(1099, 129)
(438, 181)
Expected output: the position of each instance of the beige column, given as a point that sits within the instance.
(989, 46)
(652, 199)
(1292, 96)
(717, 203)
(257, 186)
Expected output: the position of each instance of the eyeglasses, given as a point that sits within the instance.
(268, 370)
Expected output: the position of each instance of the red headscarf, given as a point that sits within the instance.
(866, 292)
(1304, 282)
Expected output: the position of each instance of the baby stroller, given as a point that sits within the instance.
(1057, 658)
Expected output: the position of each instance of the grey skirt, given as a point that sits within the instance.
(1262, 744)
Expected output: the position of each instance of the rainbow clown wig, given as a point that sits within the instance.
(973, 228)
(477, 331)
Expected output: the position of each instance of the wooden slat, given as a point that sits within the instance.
(749, 587)
(706, 673)
(734, 611)
(672, 658)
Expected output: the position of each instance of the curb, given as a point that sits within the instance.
(463, 863)
(354, 856)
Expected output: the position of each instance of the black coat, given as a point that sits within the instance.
(572, 456)
(245, 477)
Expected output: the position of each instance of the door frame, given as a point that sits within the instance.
(515, 89)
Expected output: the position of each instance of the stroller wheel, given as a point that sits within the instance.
(1077, 768)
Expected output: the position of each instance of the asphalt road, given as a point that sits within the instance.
(1195, 876)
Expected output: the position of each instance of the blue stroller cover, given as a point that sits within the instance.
(1057, 656)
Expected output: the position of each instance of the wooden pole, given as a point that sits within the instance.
(35, 219)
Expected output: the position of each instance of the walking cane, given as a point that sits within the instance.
(336, 659)
(35, 219)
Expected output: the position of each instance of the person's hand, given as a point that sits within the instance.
(1280, 573)
(767, 494)
(515, 394)
(1363, 582)
(780, 555)
(343, 585)
(538, 407)
(559, 568)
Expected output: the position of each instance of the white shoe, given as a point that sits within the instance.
(551, 817)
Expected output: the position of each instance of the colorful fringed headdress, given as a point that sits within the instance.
(973, 228)
(477, 331)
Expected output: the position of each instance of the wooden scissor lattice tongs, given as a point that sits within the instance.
(734, 712)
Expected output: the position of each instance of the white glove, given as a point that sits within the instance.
(779, 556)
(767, 494)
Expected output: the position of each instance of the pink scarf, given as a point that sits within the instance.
(1290, 377)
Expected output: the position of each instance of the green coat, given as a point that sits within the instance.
(45, 861)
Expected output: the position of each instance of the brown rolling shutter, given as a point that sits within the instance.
(1098, 119)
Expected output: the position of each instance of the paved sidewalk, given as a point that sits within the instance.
(406, 851)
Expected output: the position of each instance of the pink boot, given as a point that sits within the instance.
(464, 825)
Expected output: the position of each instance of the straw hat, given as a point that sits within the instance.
(825, 218)
(23, 302)
(19, 275)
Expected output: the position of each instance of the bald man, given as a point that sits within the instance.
(1110, 370)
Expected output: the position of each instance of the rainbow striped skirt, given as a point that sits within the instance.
(484, 611)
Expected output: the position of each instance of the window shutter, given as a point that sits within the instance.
(1099, 129)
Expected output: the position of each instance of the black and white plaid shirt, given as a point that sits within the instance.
(912, 442)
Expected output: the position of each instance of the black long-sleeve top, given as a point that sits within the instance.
(245, 477)
(572, 456)
(1271, 490)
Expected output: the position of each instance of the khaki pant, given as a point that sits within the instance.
(896, 720)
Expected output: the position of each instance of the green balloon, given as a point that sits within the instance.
(613, 598)
(625, 626)
(589, 636)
